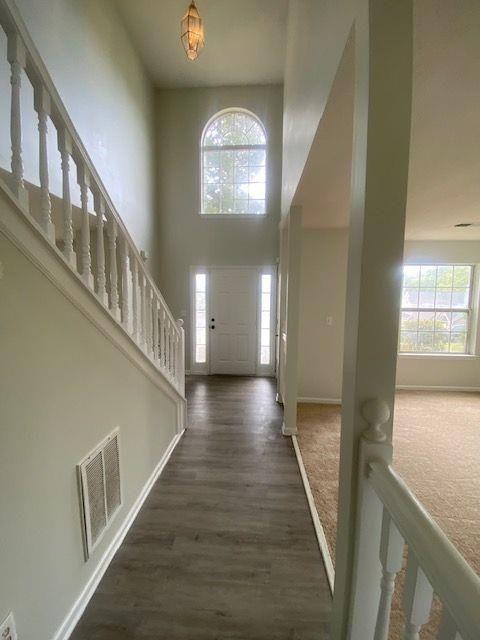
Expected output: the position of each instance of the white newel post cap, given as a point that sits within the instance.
(180, 323)
(376, 413)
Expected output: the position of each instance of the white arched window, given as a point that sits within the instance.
(233, 160)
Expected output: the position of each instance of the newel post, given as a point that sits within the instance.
(181, 358)
(17, 57)
(375, 445)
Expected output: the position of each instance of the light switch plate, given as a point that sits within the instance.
(7, 629)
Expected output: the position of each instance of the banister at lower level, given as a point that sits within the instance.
(452, 578)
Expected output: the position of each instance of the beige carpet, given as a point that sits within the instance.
(436, 451)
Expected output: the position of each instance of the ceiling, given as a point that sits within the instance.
(245, 41)
(444, 181)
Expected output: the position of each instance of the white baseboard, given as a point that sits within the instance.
(322, 540)
(312, 400)
(416, 387)
(75, 613)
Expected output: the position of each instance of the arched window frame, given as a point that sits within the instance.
(204, 148)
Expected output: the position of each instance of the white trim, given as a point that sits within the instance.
(320, 533)
(452, 357)
(69, 623)
(417, 387)
(234, 216)
(313, 400)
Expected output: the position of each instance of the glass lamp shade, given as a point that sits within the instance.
(192, 33)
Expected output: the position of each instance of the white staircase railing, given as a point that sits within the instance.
(117, 276)
(391, 520)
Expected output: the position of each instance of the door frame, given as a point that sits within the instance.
(260, 370)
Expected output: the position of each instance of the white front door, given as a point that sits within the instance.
(232, 320)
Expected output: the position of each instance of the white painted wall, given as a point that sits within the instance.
(187, 239)
(322, 294)
(316, 36)
(63, 387)
(108, 96)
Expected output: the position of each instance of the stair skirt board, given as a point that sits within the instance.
(69, 623)
(321, 539)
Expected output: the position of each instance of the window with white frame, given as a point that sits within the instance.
(200, 318)
(233, 157)
(265, 318)
(436, 308)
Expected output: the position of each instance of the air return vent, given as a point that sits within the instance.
(100, 494)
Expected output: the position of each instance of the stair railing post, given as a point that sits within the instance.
(42, 107)
(113, 269)
(65, 149)
(366, 587)
(100, 249)
(83, 178)
(17, 57)
(125, 271)
(181, 357)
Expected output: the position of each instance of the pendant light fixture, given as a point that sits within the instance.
(192, 33)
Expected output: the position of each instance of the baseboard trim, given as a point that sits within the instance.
(320, 533)
(313, 400)
(69, 623)
(416, 387)
(287, 432)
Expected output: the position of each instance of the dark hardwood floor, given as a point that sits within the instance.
(224, 547)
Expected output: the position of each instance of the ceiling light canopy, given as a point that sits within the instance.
(192, 33)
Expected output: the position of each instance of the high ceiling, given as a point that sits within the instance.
(444, 181)
(245, 41)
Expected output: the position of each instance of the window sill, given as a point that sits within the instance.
(233, 216)
(439, 356)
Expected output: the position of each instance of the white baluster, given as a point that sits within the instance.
(448, 628)
(162, 337)
(65, 148)
(142, 333)
(125, 282)
(100, 254)
(42, 107)
(112, 251)
(148, 317)
(17, 58)
(417, 599)
(167, 344)
(155, 328)
(181, 357)
(135, 322)
(391, 556)
(83, 178)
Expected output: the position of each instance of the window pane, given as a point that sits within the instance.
(265, 355)
(426, 321)
(411, 276)
(200, 301)
(410, 298)
(266, 283)
(265, 302)
(256, 206)
(257, 157)
(443, 298)
(459, 322)
(201, 335)
(428, 276)
(426, 298)
(425, 341)
(458, 342)
(409, 321)
(461, 275)
(256, 191)
(445, 276)
(265, 319)
(460, 298)
(442, 321)
(265, 337)
(441, 340)
(201, 353)
(200, 282)
(408, 341)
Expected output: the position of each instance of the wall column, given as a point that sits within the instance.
(383, 85)
(281, 307)
(290, 369)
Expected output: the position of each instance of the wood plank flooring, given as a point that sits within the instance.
(224, 547)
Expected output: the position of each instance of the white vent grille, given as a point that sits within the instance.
(99, 476)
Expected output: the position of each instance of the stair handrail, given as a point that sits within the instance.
(155, 330)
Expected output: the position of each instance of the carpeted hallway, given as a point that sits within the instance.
(436, 450)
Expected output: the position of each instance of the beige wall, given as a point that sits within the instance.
(316, 36)
(323, 290)
(187, 239)
(63, 387)
(108, 96)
